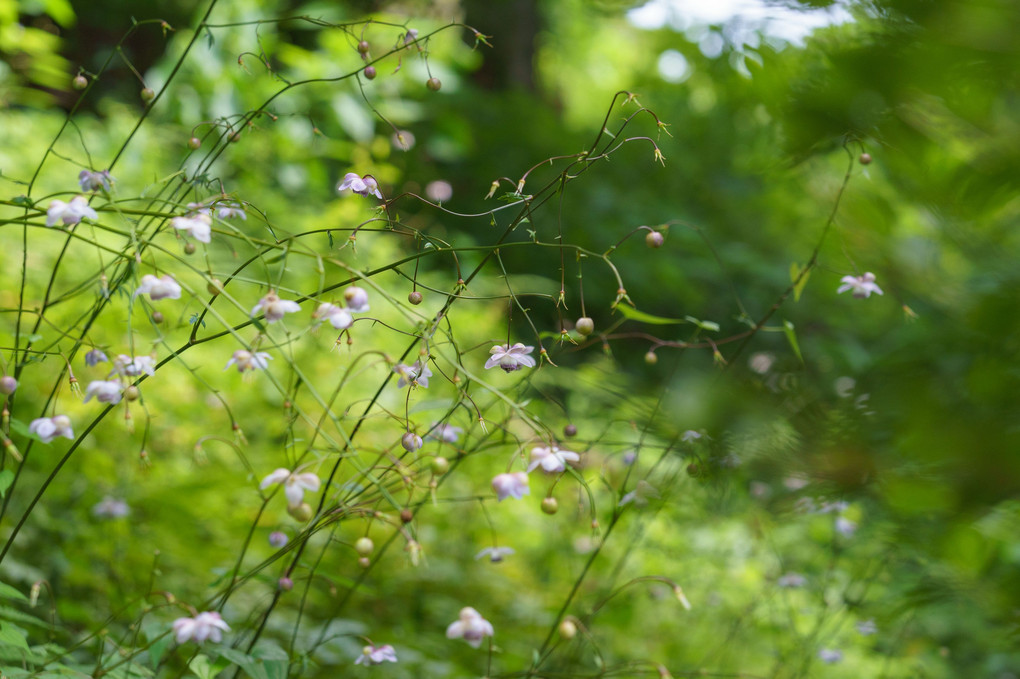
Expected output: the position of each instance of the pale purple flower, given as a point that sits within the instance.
(410, 36)
(159, 288)
(133, 367)
(363, 186)
(791, 580)
(845, 526)
(338, 317)
(49, 428)
(208, 625)
(411, 442)
(69, 213)
(630, 457)
(439, 191)
(249, 360)
(471, 627)
(294, 484)
(357, 299)
(445, 432)
(104, 391)
(197, 226)
(833, 507)
(830, 655)
(278, 539)
(94, 357)
(551, 459)
(866, 627)
(110, 508)
(8, 385)
(495, 554)
(417, 374)
(230, 211)
(94, 181)
(862, 286)
(690, 436)
(274, 308)
(376, 655)
(198, 209)
(510, 358)
(513, 484)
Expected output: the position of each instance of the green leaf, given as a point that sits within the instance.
(200, 666)
(252, 666)
(12, 635)
(23, 200)
(791, 337)
(8, 592)
(6, 479)
(795, 271)
(710, 326)
(635, 315)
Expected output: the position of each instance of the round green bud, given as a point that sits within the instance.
(550, 505)
(433, 84)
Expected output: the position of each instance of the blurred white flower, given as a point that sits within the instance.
(339, 318)
(445, 432)
(94, 181)
(862, 286)
(208, 625)
(49, 428)
(514, 484)
(795, 482)
(439, 191)
(845, 526)
(551, 459)
(95, 356)
(833, 507)
(110, 508)
(471, 627)
(690, 436)
(410, 36)
(830, 655)
(197, 226)
(866, 627)
(417, 375)
(104, 391)
(376, 655)
(133, 367)
(159, 288)
(495, 554)
(69, 213)
(357, 299)
(274, 308)
(510, 358)
(277, 539)
(363, 186)
(791, 580)
(761, 362)
(247, 360)
(230, 210)
(294, 485)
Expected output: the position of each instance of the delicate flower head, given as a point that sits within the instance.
(376, 655)
(104, 391)
(791, 580)
(830, 655)
(862, 286)
(470, 626)
(133, 367)
(866, 627)
(357, 299)
(845, 526)
(510, 358)
(278, 539)
(208, 625)
(439, 191)
(513, 484)
(551, 459)
(274, 308)
(197, 226)
(198, 209)
(69, 213)
(49, 428)
(94, 181)
(294, 484)
(363, 186)
(691, 436)
(110, 508)
(445, 432)
(249, 360)
(230, 211)
(411, 442)
(95, 356)
(338, 317)
(159, 288)
(410, 36)
(417, 374)
(495, 554)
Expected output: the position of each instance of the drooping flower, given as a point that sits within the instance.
(278, 539)
(110, 508)
(551, 459)
(830, 655)
(104, 391)
(249, 360)
(445, 432)
(69, 213)
(208, 625)
(376, 655)
(49, 428)
(230, 210)
(410, 36)
(338, 317)
(159, 288)
(363, 186)
(471, 627)
(514, 484)
(866, 627)
(510, 358)
(862, 286)
(417, 374)
(495, 554)
(133, 367)
(94, 181)
(791, 580)
(294, 485)
(274, 308)
(357, 299)
(95, 356)
(197, 226)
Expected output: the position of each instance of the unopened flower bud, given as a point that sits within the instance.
(7, 385)
(214, 286)
(285, 583)
(235, 137)
(364, 562)
(147, 94)
(157, 317)
(651, 358)
(865, 159)
(568, 630)
(79, 82)
(364, 546)
(433, 84)
(414, 297)
(301, 512)
(440, 465)
(585, 326)
(693, 470)
(189, 248)
(132, 393)
(194, 143)
(654, 239)
(370, 72)
(406, 515)
(570, 431)
(363, 47)
(550, 505)
(411, 442)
